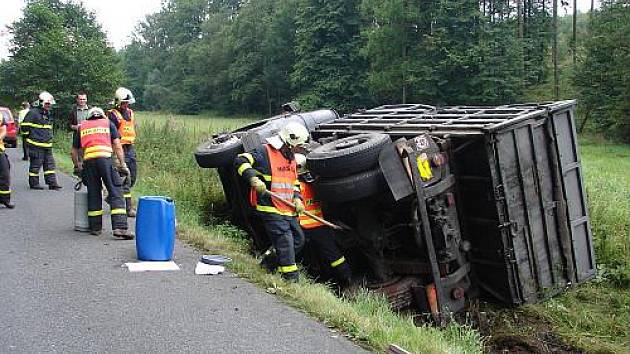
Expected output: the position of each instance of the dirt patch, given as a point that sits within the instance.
(514, 331)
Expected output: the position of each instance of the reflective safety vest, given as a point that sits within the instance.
(311, 205)
(282, 182)
(126, 128)
(95, 138)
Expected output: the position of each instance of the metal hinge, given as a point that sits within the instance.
(510, 256)
(499, 192)
(512, 226)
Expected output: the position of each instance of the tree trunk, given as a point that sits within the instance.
(556, 82)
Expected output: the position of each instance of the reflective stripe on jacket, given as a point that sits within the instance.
(95, 138)
(282, 181)
(38, 126)
(126, 128)
(311, 205)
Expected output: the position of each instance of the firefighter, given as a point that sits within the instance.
(38, 127)
(272, 167)
(5, 169)
(320, 236)
(23, 112)
(97, 138)
(122, 117)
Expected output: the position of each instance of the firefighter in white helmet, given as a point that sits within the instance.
(123, 118)
(38, 128)
(96, 141)
(271, 167)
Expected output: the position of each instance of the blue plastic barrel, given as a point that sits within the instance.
(155, 228)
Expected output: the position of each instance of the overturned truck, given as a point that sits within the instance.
(442, 204)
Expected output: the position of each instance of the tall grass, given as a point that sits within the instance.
(165, 148)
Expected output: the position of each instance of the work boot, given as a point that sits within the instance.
(38, 187)
(95, 232)
(269, 260)
(291, 277)
(124, 234)
(8, 205)
(55, 187)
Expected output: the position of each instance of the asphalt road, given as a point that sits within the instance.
(65, 291)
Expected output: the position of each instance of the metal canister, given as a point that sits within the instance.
(81, 209)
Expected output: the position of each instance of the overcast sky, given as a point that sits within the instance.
(119, 17)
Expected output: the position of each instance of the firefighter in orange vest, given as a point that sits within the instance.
(320, 236)
(97, 139)
(5, 169)
(122, 117)
(271, 167)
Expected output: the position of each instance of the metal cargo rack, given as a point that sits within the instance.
(521, 196)
(409, 119)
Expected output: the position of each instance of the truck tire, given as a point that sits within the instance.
(218, 151)
(347, 156)
(350, 188)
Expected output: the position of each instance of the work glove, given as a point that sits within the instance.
(78, 170)
(124, 170)
(299, 206)
(258, 185)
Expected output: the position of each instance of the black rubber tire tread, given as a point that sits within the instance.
(327, 161)
(350, 188)
(212, 155)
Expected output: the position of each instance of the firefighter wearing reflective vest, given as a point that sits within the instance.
(5, 169)
(122, 116)
(38, 128)
(97, 139)
(318, 235)
(272, 167)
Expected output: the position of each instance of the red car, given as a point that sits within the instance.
(10, 140)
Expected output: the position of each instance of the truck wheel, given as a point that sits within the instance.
(347, 156)
(218, 151)
(350, 188)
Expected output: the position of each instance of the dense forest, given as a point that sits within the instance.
(251, 56)
(242, 56)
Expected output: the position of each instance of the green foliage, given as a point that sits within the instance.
(328, 71)
(603, 78)
(59, 47)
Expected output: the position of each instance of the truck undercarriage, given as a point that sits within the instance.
(440, 205)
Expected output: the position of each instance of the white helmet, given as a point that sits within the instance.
(294, 134)
(123, 95)
(300, 161)
(46, 97)
(96, 112)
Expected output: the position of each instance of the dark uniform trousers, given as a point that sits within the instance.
(130, 160)
(5, 178)
(286, 237)
(323, 241)
(39, 157)
(24, 148)
(96, 173)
